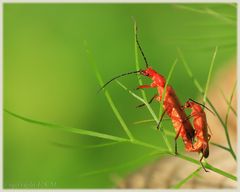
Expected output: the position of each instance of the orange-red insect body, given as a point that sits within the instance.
(171, 106)
(201, 128)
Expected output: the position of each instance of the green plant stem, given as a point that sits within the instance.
(208, 166)
(149, 120)
(225, 129)
(119, 117)
(140, 99)
(225, 99)
(152, 113)
(137, 61)
(220, 146)
(221, 172)
(68, 129)
(109, 99)
(169, 133)
(209, 12)
(119, 167)
(209, 75)
(102, 145)
(200, 89)
(114, 138)
(185, 180)
(138, 142)
(144, 100)
(230, 102)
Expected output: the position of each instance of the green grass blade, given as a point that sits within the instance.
(102, 145)
(189, 159)
(109, 99)
(144, 144)
(151, 111)
(165, 87)
(225, 129)
(209, 75)
(68, 129)
(185, 180)
(119, 139)
(225, 99)
(121, 166)
(230, 102)
(220, 146)
(170, 133)
(221, 172)
(62, 145)
(144, 100)
(149, 121)
(144, 121)
(140, 99)
(189, 72)
(208, 166)
(208, 11)
(200, 89)
(137, 61)
(226, 18)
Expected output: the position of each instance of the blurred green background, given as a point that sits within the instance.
(48, 77)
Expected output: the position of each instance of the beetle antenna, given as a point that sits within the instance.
(116, 78)
(202, 105)
(139, 46)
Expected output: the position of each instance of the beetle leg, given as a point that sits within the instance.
(149, 102)
(143, 86)
(175, 140)
(202, 164)
(161, 118)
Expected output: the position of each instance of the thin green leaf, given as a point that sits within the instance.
(137, 61)
(224, 17)
(225, 130)
(225, 99)
(150, 110)
(230, 102)
(63, 145)
(221, 172)
(102, 145)
(208, 11)
(196, 83)
(185, 180)
(110, 137)
(144, 144)
(119, 167)
(68, 129)
(169, 133)
(208, 166)
(149, 121)
(220, 146)
(140, 99)
(109, 99)
(142, 91)
(209, 75)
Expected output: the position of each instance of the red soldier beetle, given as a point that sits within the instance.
(201, 128)
(171, 104)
